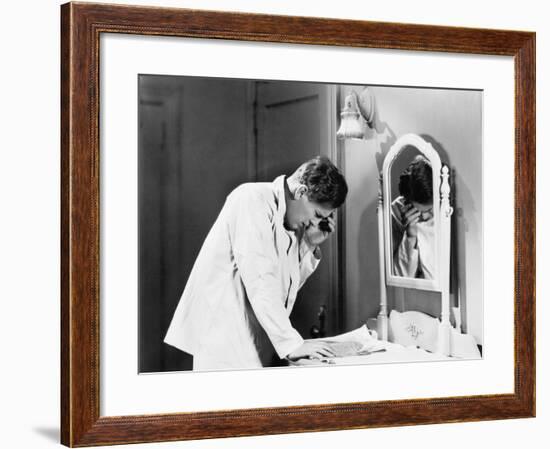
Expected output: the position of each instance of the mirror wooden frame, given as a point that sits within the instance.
(82, 24)
(426, 149)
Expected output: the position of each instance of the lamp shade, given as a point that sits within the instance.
(350, 126)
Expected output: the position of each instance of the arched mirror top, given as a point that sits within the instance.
(411, 181)
(417, 142)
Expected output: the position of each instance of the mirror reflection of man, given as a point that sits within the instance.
(413, 234)
(234, 310)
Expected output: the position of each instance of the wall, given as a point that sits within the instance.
(451, 121)
(29, 229)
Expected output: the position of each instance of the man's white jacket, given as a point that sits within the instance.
(243, 284)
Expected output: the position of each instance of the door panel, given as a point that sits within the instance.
(294, 124)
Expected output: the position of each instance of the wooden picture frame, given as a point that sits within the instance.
(81, 27)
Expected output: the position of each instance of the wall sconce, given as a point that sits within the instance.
(356, 106)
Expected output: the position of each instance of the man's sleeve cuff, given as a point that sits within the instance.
(286, 347)
(305, 249)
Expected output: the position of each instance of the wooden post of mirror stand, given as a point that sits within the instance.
(382, 320)
(444, 334)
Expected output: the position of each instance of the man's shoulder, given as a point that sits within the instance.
(252, 198)
(254, 191)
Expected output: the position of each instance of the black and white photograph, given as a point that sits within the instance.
(291, 223)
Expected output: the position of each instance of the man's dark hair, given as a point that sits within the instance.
(325, 183)
(415, 183)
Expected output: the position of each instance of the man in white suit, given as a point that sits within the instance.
(234, 310)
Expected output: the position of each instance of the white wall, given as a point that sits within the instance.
(29, 228)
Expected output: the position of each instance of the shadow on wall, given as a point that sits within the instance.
(368, 248)
(385, 136)
(463, 228)
(460, 228)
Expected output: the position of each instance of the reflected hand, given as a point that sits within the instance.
(411, 217)
(311, 350)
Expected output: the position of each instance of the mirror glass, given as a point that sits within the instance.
(413, 230)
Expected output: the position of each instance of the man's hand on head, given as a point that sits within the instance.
(314, 235)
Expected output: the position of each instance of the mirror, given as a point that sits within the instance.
(415, 193)
(413, 233)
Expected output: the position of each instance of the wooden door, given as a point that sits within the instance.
(296, 122)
